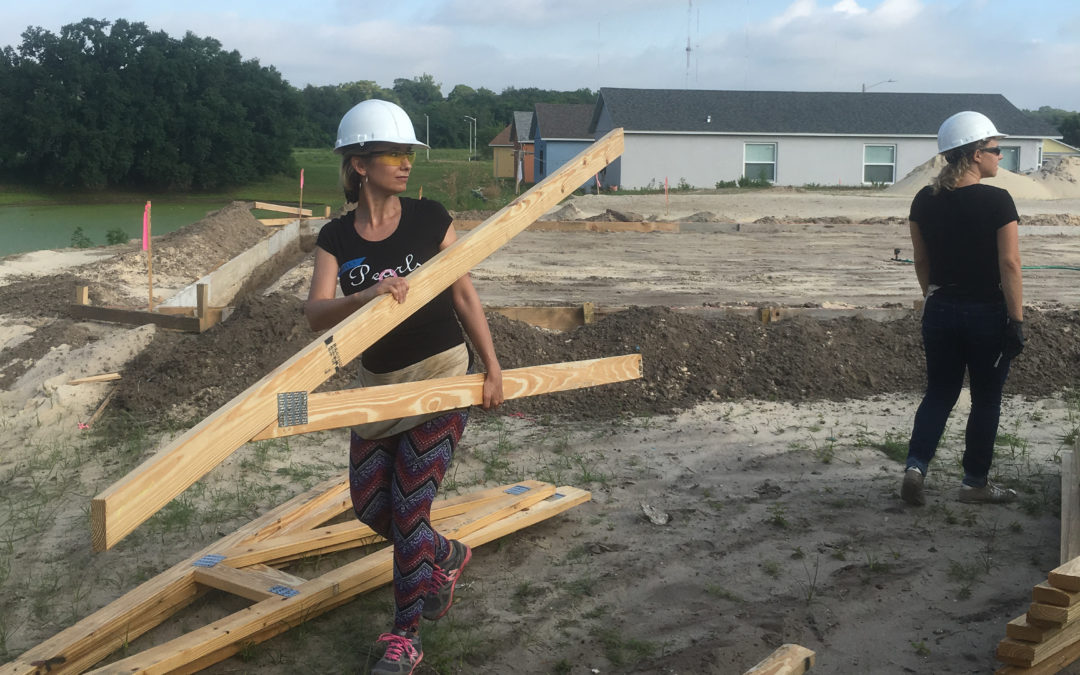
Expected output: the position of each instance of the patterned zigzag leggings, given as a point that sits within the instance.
(392, 482)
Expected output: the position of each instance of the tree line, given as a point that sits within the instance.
(115, 105)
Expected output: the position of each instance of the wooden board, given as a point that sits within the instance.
(789, 659)
(126, 504)
(554, 318)
(206, 644)
(1052, 614)
(1021, 628)
(584, 226)
(1047, 594)
(1023, 653)
(1050, 666)
(104, 377)
(1070, 506)
(1066, 576)
(279, 208)
(336, 409)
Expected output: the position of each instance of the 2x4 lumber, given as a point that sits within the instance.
(247, 583)
(585, 226)
(1070, 505)
(1050, 666)
(574, 495)
(336, 409)
(264, 206)
(331, 501)
(106, 630)
(1066, 576)
(103, 377)
(134, 317)
(1021, 628)
(292, 545)
(273, 222)
(317, 595)
(82, 295)
(1052, 614)
(126, 504)
(789, 659)
(1023, 653)
(1050, 595)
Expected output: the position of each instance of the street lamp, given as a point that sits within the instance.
(871, 86)
(472, 136)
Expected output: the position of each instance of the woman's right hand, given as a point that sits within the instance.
(395, 286)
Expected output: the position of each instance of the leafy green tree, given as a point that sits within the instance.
(115, 105)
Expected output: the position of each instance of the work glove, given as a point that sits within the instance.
(1012, 342)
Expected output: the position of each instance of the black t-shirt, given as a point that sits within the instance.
(361, 264)
(959, 228)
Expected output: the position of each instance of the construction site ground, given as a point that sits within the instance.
(745, 491)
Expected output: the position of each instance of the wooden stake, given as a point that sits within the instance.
(126, 504)
(149, 260)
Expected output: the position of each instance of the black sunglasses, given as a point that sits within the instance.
(996, 150)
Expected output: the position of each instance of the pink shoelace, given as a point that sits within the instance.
(438, 578)
(397, 646)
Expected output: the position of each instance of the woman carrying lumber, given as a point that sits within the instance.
(967, 259)
(395, 467)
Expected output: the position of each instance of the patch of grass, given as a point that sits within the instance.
(620, 650)
(965, 575)
(524, 594)
(777, 515)
(771, 568)
(920, 648)
(722, 593)
(894, 447)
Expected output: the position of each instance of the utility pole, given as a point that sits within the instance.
(472, 136)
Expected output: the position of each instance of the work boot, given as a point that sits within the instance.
(403, 653)
(991, 493)
(912, 489)
(443, 579)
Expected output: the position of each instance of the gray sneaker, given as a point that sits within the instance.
(403, 653)
(443, 579)
(912, 489)
(991, 493)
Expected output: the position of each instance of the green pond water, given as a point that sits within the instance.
(33, 228)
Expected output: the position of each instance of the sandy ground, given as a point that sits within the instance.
(784, 523)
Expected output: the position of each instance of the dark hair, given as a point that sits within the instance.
(959, 161)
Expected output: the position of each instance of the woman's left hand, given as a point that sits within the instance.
(493, 389)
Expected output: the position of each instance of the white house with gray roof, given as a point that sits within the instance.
(793, 138)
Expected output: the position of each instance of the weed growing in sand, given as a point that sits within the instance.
(875, 564)
(964, 574)
(920, 648)
(809, 586)
(524, 595)
(777, 515)
(450, 646)
(894, 446)
(722, 593)
(621, 651)
(771, 568)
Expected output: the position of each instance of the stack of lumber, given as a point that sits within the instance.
(1047, 637)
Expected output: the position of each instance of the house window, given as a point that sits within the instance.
(1010, 158)
(759, 161)
(879, 163)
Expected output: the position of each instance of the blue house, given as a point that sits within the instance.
(559, 131)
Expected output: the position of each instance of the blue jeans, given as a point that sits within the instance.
(961, 334)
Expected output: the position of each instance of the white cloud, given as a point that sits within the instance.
(850, 7)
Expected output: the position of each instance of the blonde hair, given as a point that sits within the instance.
(959, 161)
(349, 178)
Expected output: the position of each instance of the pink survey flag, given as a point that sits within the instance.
(146, 227)
(301, 179)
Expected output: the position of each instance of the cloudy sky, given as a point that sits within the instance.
(1028, 50)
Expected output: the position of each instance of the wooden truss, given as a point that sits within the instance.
(246, 564)
(126, 504)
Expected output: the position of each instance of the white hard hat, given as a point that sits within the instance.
(375, 120)
(963, 128)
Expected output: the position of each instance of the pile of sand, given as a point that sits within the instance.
(1059, 178)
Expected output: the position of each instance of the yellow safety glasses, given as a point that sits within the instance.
(394, 157)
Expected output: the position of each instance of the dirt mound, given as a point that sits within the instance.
(687, 359)
(566, 212)
(1058, 179)
(179, 257)
(613, 216)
